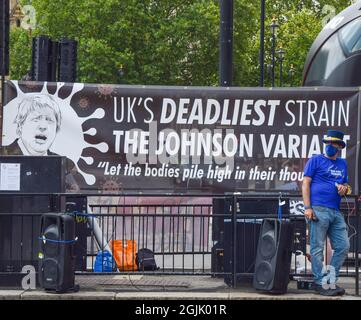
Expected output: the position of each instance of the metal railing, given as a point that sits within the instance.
(185, 238)
(178, 235)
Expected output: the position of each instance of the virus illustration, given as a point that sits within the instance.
(111, 185)
(83, 103)
(31, 85)
(70, 139)
(73, 188)
(105, 91)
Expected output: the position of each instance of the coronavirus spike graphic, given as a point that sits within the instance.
(98, 114)
(91, 132)
(88, 160)
(70, 139)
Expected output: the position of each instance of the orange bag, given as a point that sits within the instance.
(124, 254)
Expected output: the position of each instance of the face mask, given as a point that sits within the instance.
(331, 150)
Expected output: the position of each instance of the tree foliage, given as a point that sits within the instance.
(20, 52)
(171, 42)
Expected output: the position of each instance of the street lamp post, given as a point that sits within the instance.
(281, 55)
(120, 73)
(291, 74)
(226, 43)
(261, 54)
(269, 70)
(273, 27)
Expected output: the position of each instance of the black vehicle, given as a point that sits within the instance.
(335, 56)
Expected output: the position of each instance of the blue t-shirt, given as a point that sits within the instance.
(325, 173)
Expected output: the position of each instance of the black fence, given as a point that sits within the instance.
(178, 235)
(216, 238)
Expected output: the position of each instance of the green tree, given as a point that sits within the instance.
(296, 34)
(20, 53)
(156, 42)
(299, 24)
(171, 42)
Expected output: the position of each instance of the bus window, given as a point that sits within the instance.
(334, 58)
(327, 59)
(350, 37)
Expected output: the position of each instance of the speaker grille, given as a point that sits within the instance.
(68, 60)
(50, 272)
(264, 273)
(40, 57)
(268, 245)
(51, 249)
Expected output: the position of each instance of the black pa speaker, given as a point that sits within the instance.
(246, 248)
(56, 256)
(273, 260)
(44, 59)
(67, 60)
(53, 61)
(4, 37)
(40, 58)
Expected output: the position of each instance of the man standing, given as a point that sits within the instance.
(325, 181)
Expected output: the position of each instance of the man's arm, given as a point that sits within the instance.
(306, 195)
(344, 188)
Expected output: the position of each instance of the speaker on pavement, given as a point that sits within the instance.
(273, 259)
(4, 37)
(67, 60)
(247, 235)
(248, 231)
(56, 256)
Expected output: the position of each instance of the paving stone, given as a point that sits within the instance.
(81, 295)
(109, 287)
(10, 294)
(172, 296)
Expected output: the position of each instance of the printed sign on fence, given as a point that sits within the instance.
(156, 139)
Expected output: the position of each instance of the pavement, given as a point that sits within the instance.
(149, 287)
